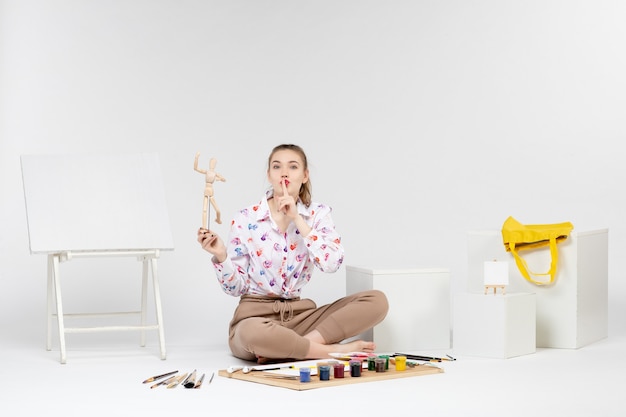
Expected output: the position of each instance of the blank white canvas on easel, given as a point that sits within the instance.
(496, 273)
(95, 206)
(95, 202)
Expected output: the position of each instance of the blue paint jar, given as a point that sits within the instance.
(324, 373)
(305, 374)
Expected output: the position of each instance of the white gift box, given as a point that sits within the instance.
(419, 307)
(573, 311)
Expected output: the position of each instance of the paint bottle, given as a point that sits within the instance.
(386, 357)
(339, 370)
(324, 373)
(305, 374)
(400, 363)
(320, 364)
(355, 368)
(380, 364)
(371, 363)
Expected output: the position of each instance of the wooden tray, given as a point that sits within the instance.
(267, 378)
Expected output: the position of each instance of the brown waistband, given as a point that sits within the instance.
(266, 298)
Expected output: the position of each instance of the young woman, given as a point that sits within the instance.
(272, 251)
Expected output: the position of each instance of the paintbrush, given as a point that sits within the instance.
(279, 376)
(164, 382)
(190, 382)
(177, 381)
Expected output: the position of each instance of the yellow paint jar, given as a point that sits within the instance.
(400, 363)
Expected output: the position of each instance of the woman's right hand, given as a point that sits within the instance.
(212, 243)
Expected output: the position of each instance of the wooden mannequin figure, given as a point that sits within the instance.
(210, 177)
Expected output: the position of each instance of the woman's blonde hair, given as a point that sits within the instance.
(305, 189)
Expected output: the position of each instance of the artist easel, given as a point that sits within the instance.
(495, 289)
(495, 275)
(97, 206)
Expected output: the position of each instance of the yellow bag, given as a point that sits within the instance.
(517, 237)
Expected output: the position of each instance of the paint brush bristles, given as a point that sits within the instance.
(190, 382)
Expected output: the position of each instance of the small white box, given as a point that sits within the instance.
(419, 307)
(494, 326)
(572, 312)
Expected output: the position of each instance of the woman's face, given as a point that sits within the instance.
(287, 166)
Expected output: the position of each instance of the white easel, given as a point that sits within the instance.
(127, 207)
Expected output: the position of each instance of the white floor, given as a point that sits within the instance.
(106, 378)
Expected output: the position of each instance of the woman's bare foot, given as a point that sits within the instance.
(322, 351)
(318, 349)
(355, 346)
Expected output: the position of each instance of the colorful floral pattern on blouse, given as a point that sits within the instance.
(264, 261)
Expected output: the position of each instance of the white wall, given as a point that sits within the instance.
(422, 120)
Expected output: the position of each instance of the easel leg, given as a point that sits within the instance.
(50, 302)
(144, 298)
(495, 289)
(157, 304)
(59, 305)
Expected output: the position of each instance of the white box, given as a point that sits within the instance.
(494, 326)
(572, 312)
(419, 307)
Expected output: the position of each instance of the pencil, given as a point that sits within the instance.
(154, 378)
(199, 382)
(164, 382)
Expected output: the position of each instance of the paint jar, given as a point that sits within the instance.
(339, 370)
(305, 374)
(380, 364)
(355, 368)
(371, 363)
(324, 373)
(400, 363)
(386, 357)
(319, 365)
